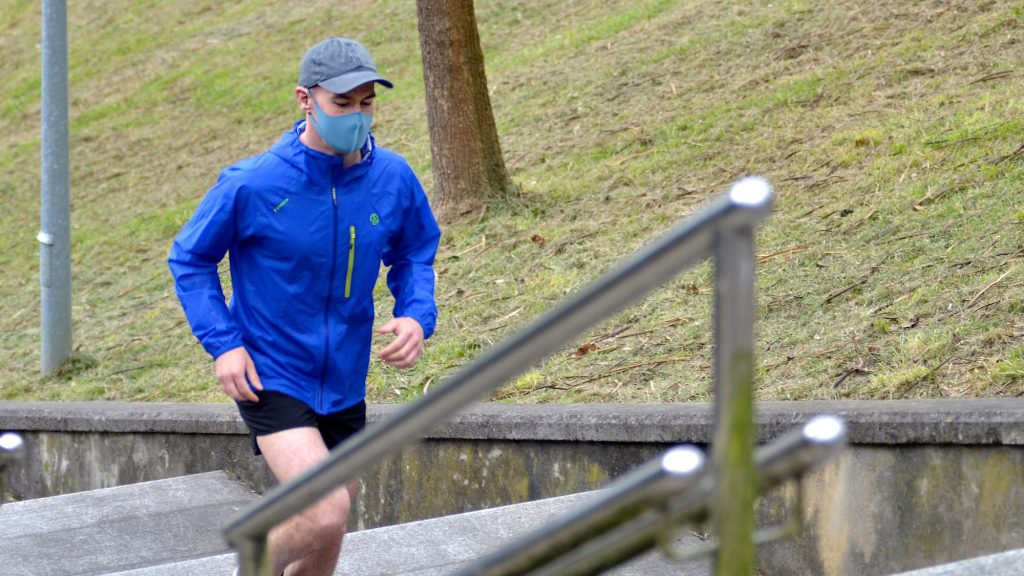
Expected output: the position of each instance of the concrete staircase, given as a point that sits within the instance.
(173, 528)
(439, 546)
(112, 529)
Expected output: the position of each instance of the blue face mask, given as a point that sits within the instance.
(345, 133)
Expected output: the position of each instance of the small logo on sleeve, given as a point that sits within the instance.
(374, 219)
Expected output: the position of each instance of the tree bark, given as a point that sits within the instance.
(468, 166)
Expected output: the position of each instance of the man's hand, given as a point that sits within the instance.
(235, 371)
(407, 347)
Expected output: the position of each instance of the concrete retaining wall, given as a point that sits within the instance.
(924, 482)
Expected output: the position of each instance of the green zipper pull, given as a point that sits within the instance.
(351, 260)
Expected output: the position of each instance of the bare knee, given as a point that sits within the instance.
(326, 522)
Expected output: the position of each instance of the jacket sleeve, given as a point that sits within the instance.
(193, 260)
(411, 258)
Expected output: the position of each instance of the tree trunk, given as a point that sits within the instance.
(468, 167)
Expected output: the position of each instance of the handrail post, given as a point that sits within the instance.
(11, 448)
(254, 557)
(732, 457)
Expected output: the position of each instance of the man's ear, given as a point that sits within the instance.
(302, 98)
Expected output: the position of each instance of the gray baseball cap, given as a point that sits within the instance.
(338, 65)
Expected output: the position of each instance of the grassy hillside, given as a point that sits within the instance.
(894, 135)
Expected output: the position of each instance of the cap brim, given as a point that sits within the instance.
(343, 84)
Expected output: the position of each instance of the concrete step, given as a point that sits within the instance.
(115, 529)
(439, 546)
(1002, 564)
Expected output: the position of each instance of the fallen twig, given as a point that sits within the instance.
(884, 306)
(558, 247)
(1018, 152)
(481, 243)
(842, 377)
(986, 289)
(904, 237)
(939, 144)
(811, 211)
(787, 360)
(780, 253)
(666, 324)
(929, 199)
(992, 76)
(468, 297)
(510, 314)
(629, 367)
(791, 357)
(613, 333)
(925, 376)
(858, 283)
(172, 327)
(839, 293)
(124, 370)
(500, 298)
(618, 333)
(991, 304)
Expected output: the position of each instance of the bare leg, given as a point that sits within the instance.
(309, 542)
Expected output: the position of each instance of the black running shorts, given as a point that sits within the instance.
(276, 412)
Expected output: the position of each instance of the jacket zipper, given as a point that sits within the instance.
(330, 293)
(351, 260)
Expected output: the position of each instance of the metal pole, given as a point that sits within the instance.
(55, 217)
(732, 456)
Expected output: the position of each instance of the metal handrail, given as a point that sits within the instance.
(747, 202)
(641, 509)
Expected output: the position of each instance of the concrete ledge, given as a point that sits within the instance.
(121, 417)
(974, 421)
(964, 422)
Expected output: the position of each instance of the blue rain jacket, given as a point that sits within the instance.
(306, 240)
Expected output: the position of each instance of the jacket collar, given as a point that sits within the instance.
(318, 164)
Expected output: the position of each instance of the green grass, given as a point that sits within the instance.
(891, 267)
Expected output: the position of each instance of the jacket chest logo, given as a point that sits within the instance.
(374, 219)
